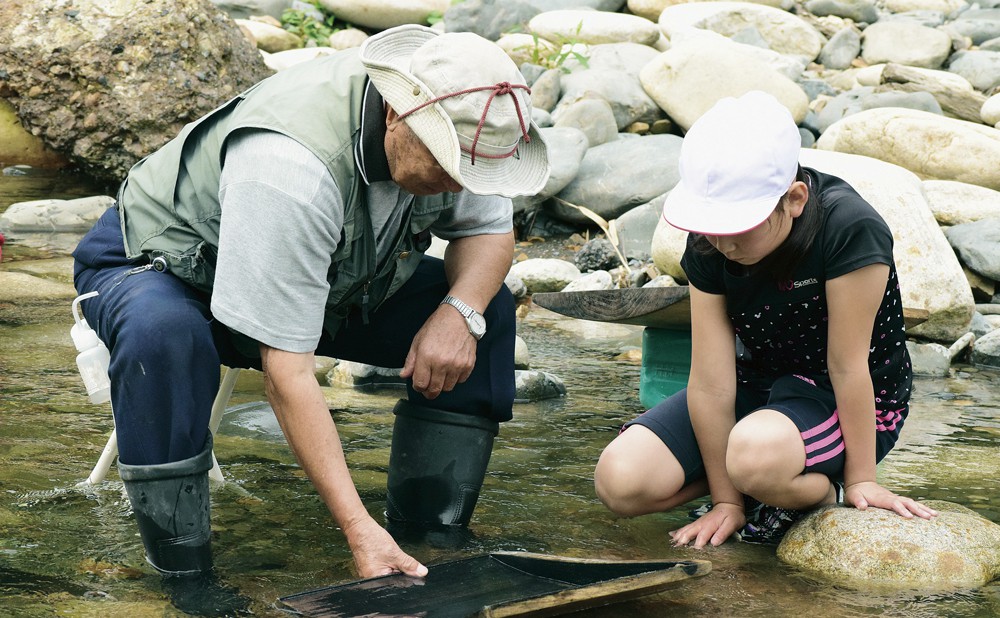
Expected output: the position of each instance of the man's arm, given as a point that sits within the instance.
(444, 352)
(301, 410)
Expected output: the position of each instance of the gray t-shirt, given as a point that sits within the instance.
(282, 216)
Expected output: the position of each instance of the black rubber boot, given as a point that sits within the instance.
(436, 465)
(171, 506)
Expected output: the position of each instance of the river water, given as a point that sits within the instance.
(71, 551)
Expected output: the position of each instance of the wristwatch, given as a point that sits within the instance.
(475, 320)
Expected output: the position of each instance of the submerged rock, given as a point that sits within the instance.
(957, 549)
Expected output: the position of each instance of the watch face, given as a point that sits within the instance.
(477, 325)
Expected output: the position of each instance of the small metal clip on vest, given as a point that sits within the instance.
(159, 264)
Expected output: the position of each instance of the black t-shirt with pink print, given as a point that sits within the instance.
(783, 325)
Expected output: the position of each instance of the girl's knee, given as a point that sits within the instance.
(762, 449)
(624, 480)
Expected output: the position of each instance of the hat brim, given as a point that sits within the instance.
(692, 213)
(386, 58)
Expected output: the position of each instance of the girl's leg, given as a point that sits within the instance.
(654, 463)
(766, 460)
(785, 453)
(637, 474)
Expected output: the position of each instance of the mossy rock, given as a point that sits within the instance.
(878, 548)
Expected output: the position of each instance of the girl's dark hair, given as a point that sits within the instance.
(781, 263)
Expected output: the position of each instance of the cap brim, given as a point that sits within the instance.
(691, 213)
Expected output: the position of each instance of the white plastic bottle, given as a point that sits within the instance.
(93, 358)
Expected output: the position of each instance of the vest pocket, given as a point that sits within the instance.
(196, 266)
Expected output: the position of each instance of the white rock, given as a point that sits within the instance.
(282, 60)
(270, 38)
(930, 276)
(784, 32)
(990, 111)
(347, 38)
(593, 27)
(688, 79)
(930, 145)
(382, 14)
(51, 215)
(954, 203)
(545, 274)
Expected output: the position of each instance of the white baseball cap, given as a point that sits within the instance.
(737, 160)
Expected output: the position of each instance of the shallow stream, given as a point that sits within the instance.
(69, 551)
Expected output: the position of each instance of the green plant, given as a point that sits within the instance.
(436, 16)
(308, 27)
(553, 54)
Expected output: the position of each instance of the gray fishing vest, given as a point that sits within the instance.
(317, 103)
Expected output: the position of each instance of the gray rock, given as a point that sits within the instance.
(991, 45)
(558, 5)
(610, 74)
(841, 50)
(596, 254)
(488, 18)
(978, 245)
(596, 280)
(957, 549)
(980, 25)
(594, 117)
(617, 176)
(545, 90)
(931, 19)
(816, 87)
(981, 68)
(150, 66)
(855, 10)
(567, 148)
(242, 9)
(923, 101)
(635, 228)
(531, 385)
(841, 106)
(986, 350)
(980, 326)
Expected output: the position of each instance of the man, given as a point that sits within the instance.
(290, 222)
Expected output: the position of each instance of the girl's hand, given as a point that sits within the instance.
(869, 493)
(713, 527)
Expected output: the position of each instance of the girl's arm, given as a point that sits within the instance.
(711, 395)
(853, 301)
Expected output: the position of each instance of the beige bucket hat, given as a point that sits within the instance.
(466, 101)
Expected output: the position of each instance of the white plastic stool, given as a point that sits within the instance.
(100, 470)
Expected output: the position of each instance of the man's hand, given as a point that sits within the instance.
(713, 527)
(442, 354)
(869, 493)
(376, 553)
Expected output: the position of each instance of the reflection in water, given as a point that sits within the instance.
(75, 551)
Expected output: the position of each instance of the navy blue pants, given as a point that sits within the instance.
(166, 348)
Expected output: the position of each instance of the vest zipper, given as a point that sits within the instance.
(364, 303)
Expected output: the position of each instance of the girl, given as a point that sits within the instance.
(800, 376)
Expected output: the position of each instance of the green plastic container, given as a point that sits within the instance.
(666, 362)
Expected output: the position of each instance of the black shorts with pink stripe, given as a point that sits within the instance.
(810, 405)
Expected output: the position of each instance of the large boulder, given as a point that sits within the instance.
(106, 82)
(927, 144)
(957, 549)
